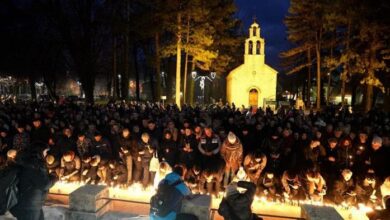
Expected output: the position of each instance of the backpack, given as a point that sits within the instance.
(167, 199)
(9, 181)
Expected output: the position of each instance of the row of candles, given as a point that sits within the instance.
(287, 208)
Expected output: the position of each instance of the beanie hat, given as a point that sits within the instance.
(377, 139)
(232, 138)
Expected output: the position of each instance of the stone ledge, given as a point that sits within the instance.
(312, 212)
(88, 198)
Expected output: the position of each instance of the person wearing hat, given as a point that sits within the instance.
(21, 139)
(52, 164)
(378, 158)
(237, 203)
(232, 153)
(343, 190)
(11, 156)
(254, 164)
(34, 183)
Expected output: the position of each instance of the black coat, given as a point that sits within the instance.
(41, 134)
(34, 184)
(168, 151)
(238, 206)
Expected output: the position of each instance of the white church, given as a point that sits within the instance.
(254, 82)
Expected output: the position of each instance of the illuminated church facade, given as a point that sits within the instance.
(253, 82)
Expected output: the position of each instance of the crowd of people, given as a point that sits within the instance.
(333, 155)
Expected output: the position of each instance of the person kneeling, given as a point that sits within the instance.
(166, 203)
(237, 204)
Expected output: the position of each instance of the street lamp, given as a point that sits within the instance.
(202, 79)
(163, 98)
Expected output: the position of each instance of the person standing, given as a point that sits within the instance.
(34, 184)
(232, 153)
(128, 152)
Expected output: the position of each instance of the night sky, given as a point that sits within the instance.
(270, 15)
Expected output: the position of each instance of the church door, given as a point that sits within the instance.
(253, 97)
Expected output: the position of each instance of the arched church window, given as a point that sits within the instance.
(258, 47)
(250, 47)
(254, 31)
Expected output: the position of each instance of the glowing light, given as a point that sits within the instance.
(289, 208)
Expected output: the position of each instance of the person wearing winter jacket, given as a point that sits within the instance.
(66, 142)
(292, 185)
(128, 152)
(145, 151)
(34, 184)
(116, 173)
(188, 149)
(90, 170)
(236, 205)
(53, 164)
(101, 146)
(367, 189)
(254, 164)
(21, 139)
(315, 185)
(343, 190)
(39, 132)
(70, 167)
(232, 153)
(168, 149)
(84, 145)
(268, 185)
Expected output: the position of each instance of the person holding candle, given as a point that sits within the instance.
(343, 191)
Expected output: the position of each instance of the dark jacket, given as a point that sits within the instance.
(21, 141)
(65, 144)
(128, 146)
(238, 206)
(34, 184)
(41, 134)
(168, 151)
